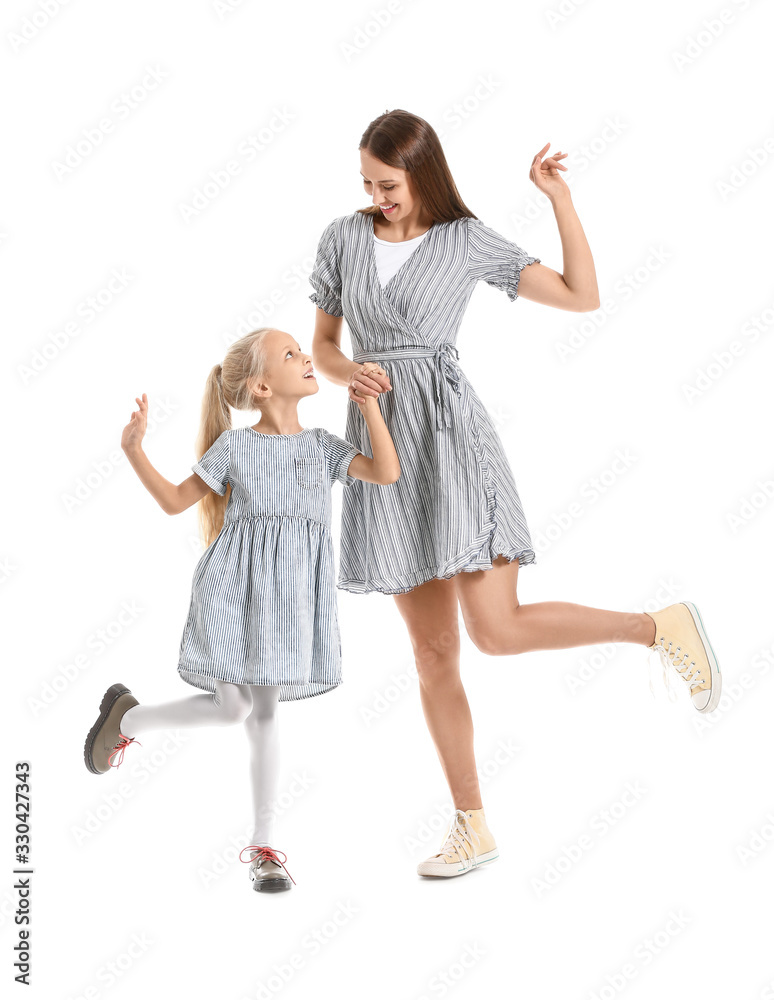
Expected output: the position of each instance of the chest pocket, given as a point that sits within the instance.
(310, 471)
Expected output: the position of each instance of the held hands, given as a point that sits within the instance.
(545, 176)
(366, 384)
(135, 429)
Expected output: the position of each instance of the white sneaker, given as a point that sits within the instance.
(469, 844)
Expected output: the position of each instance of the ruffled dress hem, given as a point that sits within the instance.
(526, 557)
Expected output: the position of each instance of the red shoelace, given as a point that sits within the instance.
(119, 748)
(266, 853)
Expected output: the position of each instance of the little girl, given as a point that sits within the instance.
(263, 624)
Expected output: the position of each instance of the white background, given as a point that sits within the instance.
(659, 107)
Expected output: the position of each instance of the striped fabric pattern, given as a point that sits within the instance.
(455, 506)
(263, 600)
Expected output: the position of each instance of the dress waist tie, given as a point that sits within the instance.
(445, 371)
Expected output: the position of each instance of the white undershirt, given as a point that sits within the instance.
(390, 256)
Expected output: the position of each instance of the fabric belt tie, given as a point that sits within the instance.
(446, 371)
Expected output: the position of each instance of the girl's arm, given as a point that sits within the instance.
(172, 499)
(384, 467)
(576, 288)
(328, 358)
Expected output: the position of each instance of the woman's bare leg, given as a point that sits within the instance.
(431, 615)
(500, 626)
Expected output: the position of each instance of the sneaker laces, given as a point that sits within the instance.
(685, 668)
(265, 853)
(123, 743)
(459, 836)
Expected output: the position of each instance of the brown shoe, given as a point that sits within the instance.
(267, 872)
(104, 746)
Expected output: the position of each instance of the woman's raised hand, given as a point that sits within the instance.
(545, 174)
(134, 431)
(371, 380)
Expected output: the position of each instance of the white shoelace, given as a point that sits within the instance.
(459, 835)
(690, 672)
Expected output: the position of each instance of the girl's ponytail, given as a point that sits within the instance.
(229, 385)
(215, 418)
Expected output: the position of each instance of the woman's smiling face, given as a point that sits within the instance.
(388, 186)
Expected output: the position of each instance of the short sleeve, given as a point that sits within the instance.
(338, 454)
(494, 259)
(214, 465)
(326, 277)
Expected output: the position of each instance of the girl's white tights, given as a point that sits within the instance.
(253, 704)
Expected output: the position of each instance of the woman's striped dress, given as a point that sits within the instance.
(455, 506)
(263, 601)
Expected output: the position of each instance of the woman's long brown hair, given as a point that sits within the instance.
(228, 385)
(408, 142)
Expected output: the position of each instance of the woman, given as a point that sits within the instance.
(451, 530)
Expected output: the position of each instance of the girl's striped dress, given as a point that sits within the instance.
(263, 601)
(455, 506)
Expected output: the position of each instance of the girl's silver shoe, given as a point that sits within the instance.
(267, 872)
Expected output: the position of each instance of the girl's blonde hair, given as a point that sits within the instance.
(228, 385)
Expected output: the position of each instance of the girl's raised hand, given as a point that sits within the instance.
(545, 175)
(134, 431)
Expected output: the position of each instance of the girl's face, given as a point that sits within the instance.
(289, 371)
(390, 188)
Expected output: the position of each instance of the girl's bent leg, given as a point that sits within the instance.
(262, 728)
(499, 626)
(231, 703)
